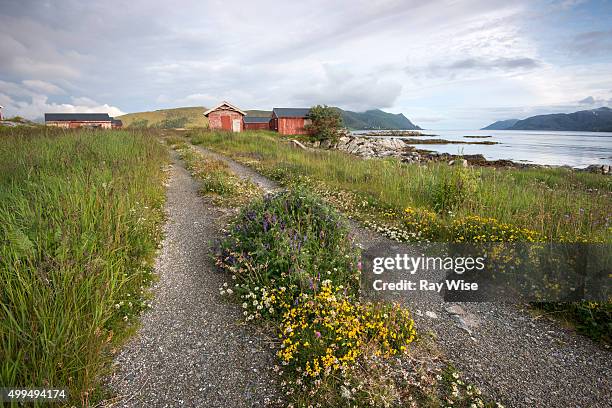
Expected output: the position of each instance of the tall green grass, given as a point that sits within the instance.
(557, 203)
(80, 213)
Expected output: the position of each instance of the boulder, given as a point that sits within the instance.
(598, 168)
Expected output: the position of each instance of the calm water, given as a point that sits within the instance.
(576, 149)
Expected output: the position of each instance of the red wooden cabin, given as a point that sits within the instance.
(225, 116)
(290, 121)
(256, 123)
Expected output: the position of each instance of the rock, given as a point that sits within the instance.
(298, 144)
(325, 144)
(464, 162)
(455, 310)
(467, 322)
(431, 315)
(598, 168)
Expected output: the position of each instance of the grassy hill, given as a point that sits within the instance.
(188, 117)
(192, 117)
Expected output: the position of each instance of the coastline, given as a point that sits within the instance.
(385, 145)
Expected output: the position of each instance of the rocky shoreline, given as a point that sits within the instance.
(376, 147)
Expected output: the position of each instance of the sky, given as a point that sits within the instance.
(444, 64)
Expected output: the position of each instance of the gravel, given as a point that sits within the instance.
(517, 359)
(191, 349)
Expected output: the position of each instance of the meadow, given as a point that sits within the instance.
(553, 203)
(436, 202)
(80, 218)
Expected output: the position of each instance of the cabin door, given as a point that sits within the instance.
(226, 123)
(236, 125)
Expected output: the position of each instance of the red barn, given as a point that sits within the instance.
(78, 120)
(256, 123)
(290, 121)
(225, 116)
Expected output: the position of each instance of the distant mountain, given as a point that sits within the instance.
(376, 119)
(191, 117)
(501, 124)
(593, 120)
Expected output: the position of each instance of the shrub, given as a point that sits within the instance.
(454, 189)
(290, 238)
(325, 123)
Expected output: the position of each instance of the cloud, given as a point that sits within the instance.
(592, 43)
(497, 63)
(39, 105)
(27, 100)
(591, 101)
(42, 87)
(339, 87)
(568, 4)
(476, 66)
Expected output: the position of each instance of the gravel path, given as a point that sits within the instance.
(191, 349)
(522, 361)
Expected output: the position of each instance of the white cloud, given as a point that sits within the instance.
(42, 87)
(340, 87)
(25, 100)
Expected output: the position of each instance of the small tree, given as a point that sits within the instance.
(326, 123)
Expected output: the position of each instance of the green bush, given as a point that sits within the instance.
(299, 240)
(325, 123)
(454, 189)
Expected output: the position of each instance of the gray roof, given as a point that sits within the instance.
(97, 117)
(255, 119)
(291, 112)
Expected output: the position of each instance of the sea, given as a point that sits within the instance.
(556, 148)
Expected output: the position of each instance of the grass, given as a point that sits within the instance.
(437, 202)
(217, 180)
(556, 203)
(80, 213)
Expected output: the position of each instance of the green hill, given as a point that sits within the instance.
(191, 117)
(376, 119)
(501, 124)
